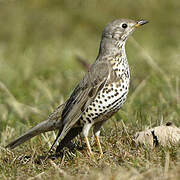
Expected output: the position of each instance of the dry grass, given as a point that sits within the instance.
(39, 43)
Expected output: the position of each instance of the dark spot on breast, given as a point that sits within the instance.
(88, 119)
(107, 91)
(118, 55)
(116, 94)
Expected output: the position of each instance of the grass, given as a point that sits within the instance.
(39, 42)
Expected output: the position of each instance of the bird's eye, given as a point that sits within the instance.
(124, 25)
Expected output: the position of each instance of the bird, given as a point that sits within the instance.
(98, 96)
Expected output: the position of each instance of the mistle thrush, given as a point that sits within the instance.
(100, 94)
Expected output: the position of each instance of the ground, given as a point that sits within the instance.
(39, 44)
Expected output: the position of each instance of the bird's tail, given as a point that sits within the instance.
(53, 122)
(38, 129)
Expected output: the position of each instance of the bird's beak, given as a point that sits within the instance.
(140, 23)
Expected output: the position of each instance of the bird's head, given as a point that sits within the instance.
(120, 29)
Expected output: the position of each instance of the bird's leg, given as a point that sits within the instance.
(98, 143)
(96, 130)
(85, 133)
(88, 146)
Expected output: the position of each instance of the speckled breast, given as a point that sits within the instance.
(114, 93)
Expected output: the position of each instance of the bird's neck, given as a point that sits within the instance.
(111, 47)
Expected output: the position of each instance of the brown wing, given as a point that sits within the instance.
(83, 95)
